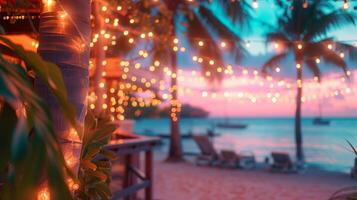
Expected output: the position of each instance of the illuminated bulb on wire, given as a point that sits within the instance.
(317, 60)
(329, 46)
(200, 43)
(345, 5)
(342, 55)
(299, 46)
(305, 4)
(255, 4)
(223, 44)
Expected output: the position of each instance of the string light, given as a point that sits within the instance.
(345, 5)
(255, 4)
(305, 4)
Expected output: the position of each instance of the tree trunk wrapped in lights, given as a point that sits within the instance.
(64, 36)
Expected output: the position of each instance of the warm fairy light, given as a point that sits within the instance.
(200, 43)
(43, 195)
(247, 44)
(317, 60)
(142, 35)
(348, 73)
(194, 58)
(131, 40)
(298, 66)
(276, 45)
(119, 8)
(345, 5)
(101, 85)
(342, 55)
(211, 62)
(329, 46)
(131, 21)
(104, 106)
(126, 32)
(63, 15)
(305, 4)
(299, 46)
(104, 8)
(255, 4)
(277, 69)
(176, 41)
(223, 44)
(92, 106)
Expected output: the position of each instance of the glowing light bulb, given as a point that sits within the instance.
(342, 55)
(298, 66)
(255, 4)
(329, 46)
(305, 4)
(317, 60)
(201, 43)
(299, 46)
(345, 5)
(104, 8)
(223, 44)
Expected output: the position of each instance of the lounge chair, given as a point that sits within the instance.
(208, 153)
(232, 159)
(282, 163)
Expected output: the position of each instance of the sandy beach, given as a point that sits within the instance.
(185, 181)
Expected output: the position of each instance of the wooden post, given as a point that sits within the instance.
(127, 174)
(149, 175)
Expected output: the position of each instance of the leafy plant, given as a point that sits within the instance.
(29, 147)
(95, 166)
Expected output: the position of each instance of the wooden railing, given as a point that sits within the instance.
(134, 180)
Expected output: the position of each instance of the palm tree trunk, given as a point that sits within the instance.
(99, 58)
(175, 151)
(64, 40)
(298, 132)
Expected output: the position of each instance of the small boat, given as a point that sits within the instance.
(320, 121)
(232, 126)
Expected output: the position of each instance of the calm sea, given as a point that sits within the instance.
(324, 146)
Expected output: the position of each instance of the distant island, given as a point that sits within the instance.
(187, 111)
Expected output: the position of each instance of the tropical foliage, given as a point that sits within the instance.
(30, 151)
(303, 33)
(173, 19)
(95, 165)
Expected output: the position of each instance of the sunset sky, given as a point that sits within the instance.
(338, 105)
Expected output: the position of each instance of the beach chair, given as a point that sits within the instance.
(282, 163)
(230, 158)
(208, 155)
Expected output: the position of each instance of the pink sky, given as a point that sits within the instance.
(339, 97)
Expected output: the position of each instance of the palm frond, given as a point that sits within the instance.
(238, 11)
(313, 67)
(196, 29)
(326, 23)
(273, 61)
(225, 33)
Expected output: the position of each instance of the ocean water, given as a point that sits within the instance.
(324, 146)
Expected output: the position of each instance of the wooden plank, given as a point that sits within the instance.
(149, 175)
(131, 190)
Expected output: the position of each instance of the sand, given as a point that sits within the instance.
(186, 181)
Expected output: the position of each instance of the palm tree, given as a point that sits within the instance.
(198, 22)
(302, 31)
(64, 40)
